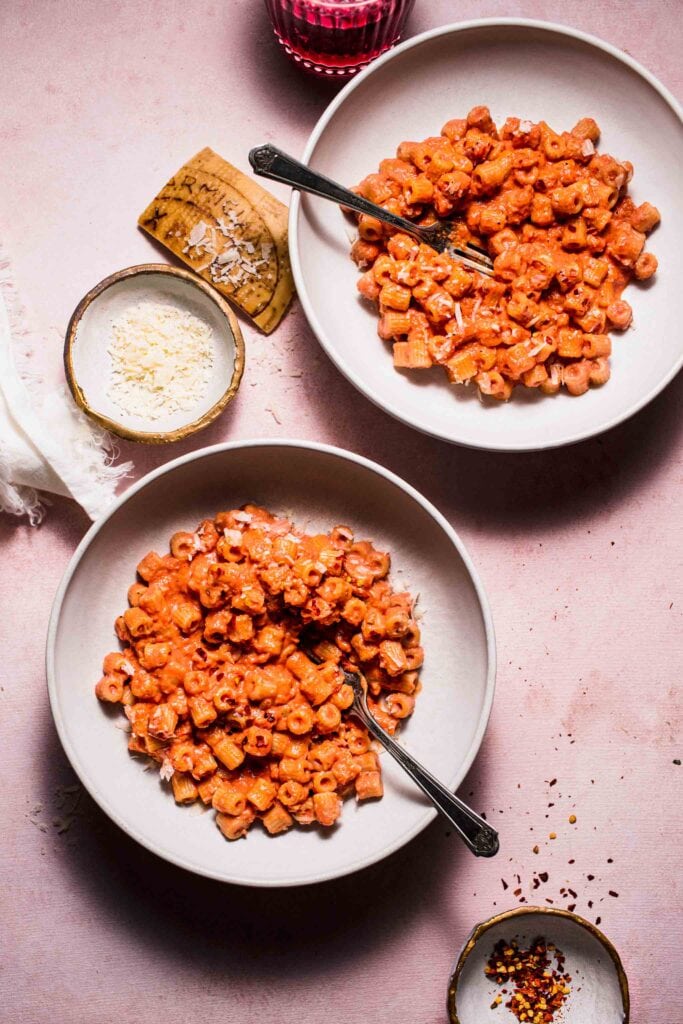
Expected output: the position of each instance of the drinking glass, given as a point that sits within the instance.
(337, 37)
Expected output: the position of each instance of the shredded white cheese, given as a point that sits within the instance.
(237, 264)
(161, 359)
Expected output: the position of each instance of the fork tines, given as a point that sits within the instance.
(474, 258)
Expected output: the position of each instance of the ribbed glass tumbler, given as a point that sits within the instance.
(336, 38)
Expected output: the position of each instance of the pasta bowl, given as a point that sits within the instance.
(527, 69)
(317, 487)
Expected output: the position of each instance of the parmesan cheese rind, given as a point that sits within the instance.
(229, 229)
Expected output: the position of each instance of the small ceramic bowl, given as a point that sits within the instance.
(88, 336)
(599, 988)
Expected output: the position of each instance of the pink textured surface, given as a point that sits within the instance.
(579, 550)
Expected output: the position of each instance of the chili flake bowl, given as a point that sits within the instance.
(87, 363)
(598, 990)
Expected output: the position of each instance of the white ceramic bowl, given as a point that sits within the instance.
(598, 991)
(87, 362)
(318, 487)
(533, 70)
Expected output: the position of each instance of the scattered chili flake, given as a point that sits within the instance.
(572, 861)
(552, 782)
(540, 987)
(505, 885)
(571, 892)
(553, 835)
(572, 819)
(535, 849)
(610, 861)
(613, 893)
(677, 760)
(598, 920)
(571, 907)
(543, 875)
(517, 892)
(590, 877)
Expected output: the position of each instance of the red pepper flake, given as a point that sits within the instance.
(553, 782)
(517, 892)
(543, 875)
(540, 987)
(535, 849)
(613, 893)
(598, 920)
(572, 907)
(590, 877)
(572, 893)
(505, 885)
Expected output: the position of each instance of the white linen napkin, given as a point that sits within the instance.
(46, 442)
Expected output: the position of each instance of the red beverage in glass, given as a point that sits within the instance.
(337, 37)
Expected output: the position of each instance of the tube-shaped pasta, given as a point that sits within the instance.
(229, 799)
(327, 808)
(184, 788)
(235, 827)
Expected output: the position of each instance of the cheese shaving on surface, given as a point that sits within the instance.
(161, 360)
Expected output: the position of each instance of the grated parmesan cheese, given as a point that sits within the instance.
(236, 264)
(161, 359)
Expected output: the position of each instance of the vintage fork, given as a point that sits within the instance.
(476, 833)
(269, 162)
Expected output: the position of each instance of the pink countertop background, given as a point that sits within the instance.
(580, 551)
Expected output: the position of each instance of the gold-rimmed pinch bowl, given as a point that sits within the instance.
(87, 363)
(598, 990)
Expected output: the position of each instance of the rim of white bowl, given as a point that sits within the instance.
(101, 798)
(551, 27)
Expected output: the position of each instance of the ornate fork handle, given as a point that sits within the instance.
(269, 162)
(475, 832)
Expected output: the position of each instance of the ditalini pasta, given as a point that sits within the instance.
(565, 238)
(215, 684)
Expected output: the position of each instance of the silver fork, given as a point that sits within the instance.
(269, 162)
(476, 833)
